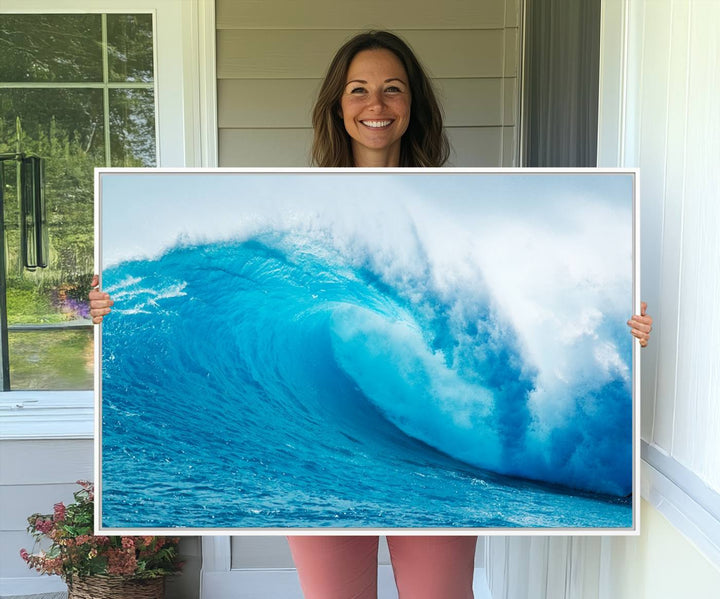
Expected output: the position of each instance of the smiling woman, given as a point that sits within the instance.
(364, 105)
(375, 107)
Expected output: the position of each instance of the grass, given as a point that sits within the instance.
(51, 360)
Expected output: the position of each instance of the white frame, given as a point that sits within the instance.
(219, 548)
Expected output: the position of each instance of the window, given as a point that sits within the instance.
(77, 90)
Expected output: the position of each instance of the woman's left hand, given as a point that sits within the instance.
(641, 325)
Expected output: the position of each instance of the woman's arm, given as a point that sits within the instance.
(100, 304)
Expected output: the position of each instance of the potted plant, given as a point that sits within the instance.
(98, 567)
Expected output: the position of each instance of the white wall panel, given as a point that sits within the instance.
(652, 117)
(669, 263)
(669, 126)
(697, 422)
(544, 567)
(671, 132)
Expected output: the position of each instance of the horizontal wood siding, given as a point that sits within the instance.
(333, 14)
(271, 58)
(472, 145)
(45, 461)
(264, 147)
(34, 476)
(306, 54)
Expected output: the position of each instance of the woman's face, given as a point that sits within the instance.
(375, 107)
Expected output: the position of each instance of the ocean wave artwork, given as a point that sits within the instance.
(386, 350)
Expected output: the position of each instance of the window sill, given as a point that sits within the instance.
(46, 415)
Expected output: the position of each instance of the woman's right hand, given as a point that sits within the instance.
(100, 302)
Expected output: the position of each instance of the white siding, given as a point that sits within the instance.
(35, 475)
(271, 59)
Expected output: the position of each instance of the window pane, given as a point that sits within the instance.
(52, 119)
(132, 127)
(66, 127)
(53, 359)
(50, 48)
(130, 47)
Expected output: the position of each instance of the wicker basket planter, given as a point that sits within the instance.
(116, 587)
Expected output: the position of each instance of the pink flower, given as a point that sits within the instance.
(53, 565)
(44, 526)
(59, 509)
(121, 562)
(24, 554)
(128, 543)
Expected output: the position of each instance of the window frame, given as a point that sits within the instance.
(186, 135)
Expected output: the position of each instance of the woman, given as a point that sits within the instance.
(376, 108)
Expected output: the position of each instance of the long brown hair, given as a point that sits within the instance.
(423, 144)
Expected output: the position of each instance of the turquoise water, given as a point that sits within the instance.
(270, 382)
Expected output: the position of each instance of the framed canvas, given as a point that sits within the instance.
(335, 350)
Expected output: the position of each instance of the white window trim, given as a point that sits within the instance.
(46, 415)
(186, 121)
(184, 38)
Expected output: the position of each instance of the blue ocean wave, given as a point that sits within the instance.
(320, 390)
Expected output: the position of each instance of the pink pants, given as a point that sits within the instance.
(346, 567)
